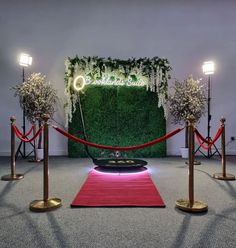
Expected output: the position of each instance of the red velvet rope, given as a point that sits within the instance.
(201, 140)
(19, 136)
(27, 134)
(127, 148)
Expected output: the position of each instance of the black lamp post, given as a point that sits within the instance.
(25, 61)
(208, 69)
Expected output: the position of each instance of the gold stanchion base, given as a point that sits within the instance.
(44, 206)
(227, 177)
(198, 206)
(12, 177)
(195, 162)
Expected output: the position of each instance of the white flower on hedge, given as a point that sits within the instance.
(67, 64)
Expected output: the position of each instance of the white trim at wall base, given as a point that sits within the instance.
(58, 153)
(5, 154)
(52, 153)
(175, 152)
(231, 152)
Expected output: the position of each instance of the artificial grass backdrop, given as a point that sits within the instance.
(118, 116)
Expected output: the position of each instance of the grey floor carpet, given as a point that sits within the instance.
(117, 227)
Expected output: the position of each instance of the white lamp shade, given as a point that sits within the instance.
(208, 67)
(25, 60)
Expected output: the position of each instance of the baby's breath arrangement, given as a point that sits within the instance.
(187, 99)
(37, 97)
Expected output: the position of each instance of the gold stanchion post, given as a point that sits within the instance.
(191, 205)
(13, 176)
(34, 159)
(195, 162)
(223, 175)
(46, 204)
(35, 152)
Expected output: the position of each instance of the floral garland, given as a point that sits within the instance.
(152, 73)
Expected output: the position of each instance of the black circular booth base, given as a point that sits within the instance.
(120, 163)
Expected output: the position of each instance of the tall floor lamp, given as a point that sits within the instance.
(208, 68)
(25, 61)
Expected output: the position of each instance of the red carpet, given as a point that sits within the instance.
(114, 190)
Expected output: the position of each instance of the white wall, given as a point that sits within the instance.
(185, 32)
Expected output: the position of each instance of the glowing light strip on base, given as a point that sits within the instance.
(123, 172)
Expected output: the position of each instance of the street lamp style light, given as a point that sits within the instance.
(25, 60)
(208, 68)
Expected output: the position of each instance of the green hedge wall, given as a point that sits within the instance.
(118, 116)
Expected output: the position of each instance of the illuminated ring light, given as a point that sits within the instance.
(79, 83)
